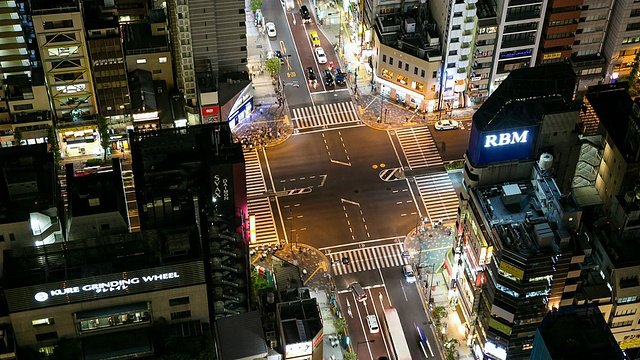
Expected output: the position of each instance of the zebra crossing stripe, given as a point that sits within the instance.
(369, 258)
(325, 114)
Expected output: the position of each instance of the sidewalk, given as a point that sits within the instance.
(374, 111)
(314, 266)
(267, 115)
(439, 295)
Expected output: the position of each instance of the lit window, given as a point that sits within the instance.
(141, 61)
(162, 60)
(45, 321)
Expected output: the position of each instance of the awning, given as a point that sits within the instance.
(460, 313)
(114, 310)
(119, 345)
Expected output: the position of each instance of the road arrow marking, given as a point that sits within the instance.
(349, 202)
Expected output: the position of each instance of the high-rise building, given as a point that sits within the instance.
(108, 65)
(209, 41)
(195, 176)
(517, 226)
(60, 31)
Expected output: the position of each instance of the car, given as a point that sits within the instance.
(322, 57)
(279, 55)
(304, 14)
(271, 29)
(358, 292)
(409, 275)
(312, 75)
(315, 40)
(372, 322)
(328, 78)
(340, 77)
(446, 125)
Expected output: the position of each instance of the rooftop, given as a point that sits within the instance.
(241, 336)
(577, 332)
(300, 320)
(100, 256)
(525, 95)
(94, 194)
(53, 6)
(27, 182)
(413, 33)
(138, 38)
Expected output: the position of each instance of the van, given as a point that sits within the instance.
(409, 275)
(358, 292)
(372, 322)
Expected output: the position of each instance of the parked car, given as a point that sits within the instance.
(312, 75)
(328, 78)
(409, 275)
(321, 56)
(446, 125)
(271, 29)
(372, 322)
(304, 14)
(315, 40)
(340, 76)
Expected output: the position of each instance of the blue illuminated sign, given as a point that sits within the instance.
(502, 145)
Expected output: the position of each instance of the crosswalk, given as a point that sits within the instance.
(418, 147)
(258, 204)
(438, 196)
(368, 258)
(324, 116)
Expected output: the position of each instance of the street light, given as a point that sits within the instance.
(363, 342)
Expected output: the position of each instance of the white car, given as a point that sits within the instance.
(446, 125)
(373, 324)
(322, 58)
(271, 29)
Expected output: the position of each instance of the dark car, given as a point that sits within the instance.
(312, 75)
(304, 14)
(340, 77)
(279, 55)
(328, 78)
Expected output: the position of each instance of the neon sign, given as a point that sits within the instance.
(505, 139)
(105, 287)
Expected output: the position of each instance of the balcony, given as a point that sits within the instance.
(463, 62)
(523, 16)
(461, 74)
(470, 10)
(467, 36)
(469, 23)
(465, 49)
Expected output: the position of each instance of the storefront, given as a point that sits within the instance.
(403, 95)
(146, 121)
(80, 141)
(239, 108)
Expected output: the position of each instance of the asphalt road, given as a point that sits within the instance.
(456, 140)
(347, 201)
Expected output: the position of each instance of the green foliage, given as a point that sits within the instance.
(350, 356)
(273, 66)
(67, 349)
(255, 5)
(438, 313)
(455, 165)
(450, 350)
(103, 131)
(17, 135)
(54, 147)
(259, 282)
(94, 162)
(340, 324)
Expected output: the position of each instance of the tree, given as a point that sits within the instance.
(52, 139)
(350, 356)
(340, 324)
(438, 313)
(274, 66)
(450, 350)
(17, 135)
(105, 137)
(255, 5)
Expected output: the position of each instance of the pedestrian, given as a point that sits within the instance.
(406, 119)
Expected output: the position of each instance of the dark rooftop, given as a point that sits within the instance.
(138, 38)
(27, 182)
(53, 6)
(525, 95)
(241, 336)
(94, 194)
(100, 256)
(576, 332)
(300, 320)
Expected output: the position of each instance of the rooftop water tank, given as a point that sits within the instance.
(546, 161)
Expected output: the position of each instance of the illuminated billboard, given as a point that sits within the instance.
(501, 145)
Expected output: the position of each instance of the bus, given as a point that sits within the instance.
(394, 335)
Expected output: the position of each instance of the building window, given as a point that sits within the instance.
(402, 79)
(390, 60)
(406, 67)
(44, 321)
(23, 107)
(400, 65)
(105, 227)
(434, 75)
(180, 315)
(162, 60)
(1, 238)
(179, 301)
(384, 58)
(243, 48)
(387, 74)
(422, 73)
(242, 24)
(46, 350)
(415, 71)
(141, 61)
(47, 336)
(12, 237)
